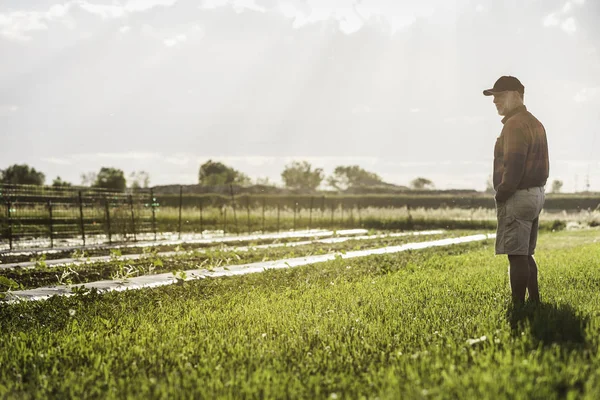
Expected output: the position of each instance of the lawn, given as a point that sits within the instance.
(432, 323)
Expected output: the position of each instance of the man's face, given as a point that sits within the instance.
(501, 101)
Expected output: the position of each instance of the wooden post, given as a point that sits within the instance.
(132, 217)
(310, 213)
(81, 223)
(263, 215)
(107, 212)
(10, 230)
(180, 206)
(51, 224)
(278, 210)
(295, 211)
(152, 200)
(201, 219)
(248, 213)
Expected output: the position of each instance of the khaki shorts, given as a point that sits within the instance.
(518, 222)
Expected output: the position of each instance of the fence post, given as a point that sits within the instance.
(132, 217)
(153, 213)
(51, 224)
(235, 222)
(295, 211)
(263, 215)
(201, 219)
(248, 212)
(342, 215)
(278, 211)
(107, 212)
(332, 211)
(359, 214)
(10, 230)
(82, 225)
(180, 206)
(312, 199)
(224, 220)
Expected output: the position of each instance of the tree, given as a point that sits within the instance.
(214, 173)
(89, 178)
(139, 179)
(300, 175)
(22, 174)
(111, 178)
(489, 185)
(352, 176)
(421, 184)
(264, 181)
(60, 183)
(557, 186)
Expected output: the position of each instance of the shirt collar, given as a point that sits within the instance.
(513, 112)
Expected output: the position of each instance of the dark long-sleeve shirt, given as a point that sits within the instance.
(520, 155)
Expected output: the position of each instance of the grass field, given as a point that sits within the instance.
(432, 323)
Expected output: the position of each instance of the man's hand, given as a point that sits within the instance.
(501, 197)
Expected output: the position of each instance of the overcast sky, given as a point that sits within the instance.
(392, 85)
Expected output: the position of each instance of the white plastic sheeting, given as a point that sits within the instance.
(149, 281)
(193, 238)
(128, 257)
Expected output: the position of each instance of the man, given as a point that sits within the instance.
(521, 170)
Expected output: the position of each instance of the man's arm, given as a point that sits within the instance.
(515, 154)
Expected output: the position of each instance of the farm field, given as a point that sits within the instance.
(418, 324)
(31, 228)
(152, 262)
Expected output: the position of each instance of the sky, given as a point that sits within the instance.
(393, 86)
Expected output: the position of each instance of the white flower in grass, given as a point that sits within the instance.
(71, 312)
(472, 342)
(264, 335)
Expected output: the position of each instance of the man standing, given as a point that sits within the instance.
(521, 170)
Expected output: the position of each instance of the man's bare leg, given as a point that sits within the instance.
(519, 277)
(532, 282)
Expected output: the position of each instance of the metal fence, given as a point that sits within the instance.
(42, 217)
(33, 217)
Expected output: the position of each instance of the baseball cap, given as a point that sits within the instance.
(505, 83)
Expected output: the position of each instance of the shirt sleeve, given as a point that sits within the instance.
(516, 147)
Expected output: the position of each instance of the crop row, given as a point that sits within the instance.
(152, 262)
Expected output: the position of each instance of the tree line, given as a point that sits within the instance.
(297, 175)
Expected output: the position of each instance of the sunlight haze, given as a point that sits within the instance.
(393, 86)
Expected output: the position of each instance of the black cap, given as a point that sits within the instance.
(505, 83)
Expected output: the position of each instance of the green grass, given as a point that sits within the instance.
(390, 326)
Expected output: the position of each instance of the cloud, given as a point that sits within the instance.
(569, 25)
(174, 41)
(124, 29)
(551, 20)
(415, 110)
(104, 11)
(586, 94)
(57, 161)
(18, 25)
(128, 155)
(143, 5)
(8, 110)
